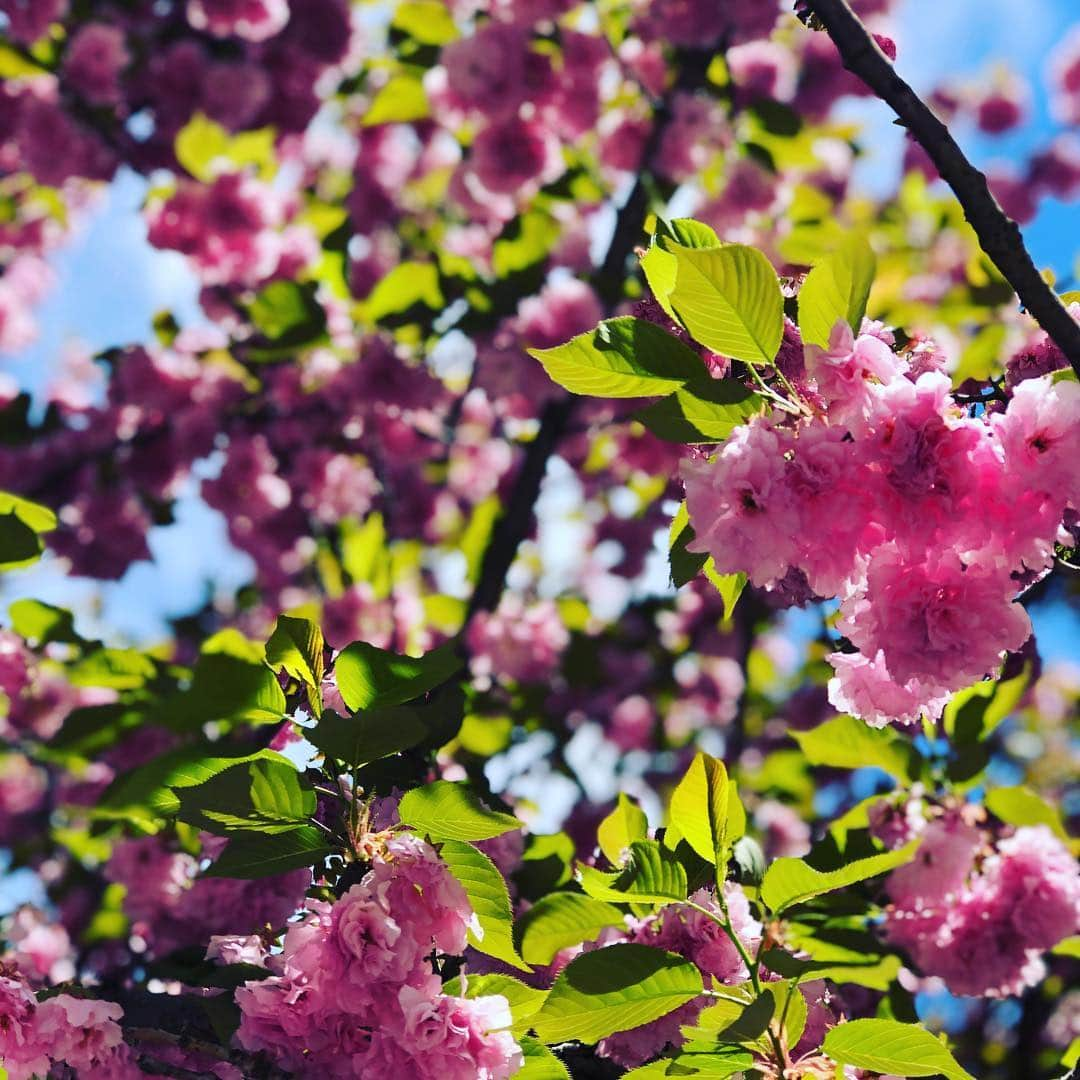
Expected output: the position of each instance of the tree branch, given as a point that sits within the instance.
(999, 236)
(608, 280)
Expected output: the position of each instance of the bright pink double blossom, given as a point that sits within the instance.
(924, 521)
(353, 992)
(980, 918)
(78, 1032)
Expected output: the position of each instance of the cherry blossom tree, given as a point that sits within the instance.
(635, 671)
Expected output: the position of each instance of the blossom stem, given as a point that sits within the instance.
(751, 964)
(998, 235)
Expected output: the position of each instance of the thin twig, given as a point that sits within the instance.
(999, 236)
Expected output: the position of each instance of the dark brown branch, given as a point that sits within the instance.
(999, 236)
(608, 280)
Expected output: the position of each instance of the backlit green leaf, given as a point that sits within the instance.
(486, 889)
(729, 299)
(791, 881)
(615, 989)
(624, 358)
(887, 1046)
(561, 919)
(449, 811)
(836, 289)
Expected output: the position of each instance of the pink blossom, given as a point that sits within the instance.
(865, 688)
(513, 154)
(845, 372)
(80, 1032)
(226, 228)
(28, 20)
(562, 309)
(740, 506)
(516, 641)
(935, 620)
(237, 949)
(785, 833)
(490, 70)
(459, 1038)
(1042, 879)
(763, 69)
(896, 825)
(94, 61)
(40, 949)
(984, 937)
(1040, 435)
(23, 1051)
(940, 866)
(254, 20)
(1064, 70)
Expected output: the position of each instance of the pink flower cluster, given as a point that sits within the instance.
(230, 230)
(518, 642)
(353, 992)
(692, 934)
(925, 521)
(77, 1032)
(981, 928)
(170, 907)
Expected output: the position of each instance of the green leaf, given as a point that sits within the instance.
(873, 972)
(525, 241)
(230, 684)
(615, 989)
(653, 875)
(791, 881)
(488, 898)
(687, 232)
(684, 564)
(887, 1046)
(449, 811)
(540, 1062)
(263, 795)
(1069, 947)
(201, 144)
(42, 623)
(729, 299)
(705, 410)
(729, 586)
(699, 808)
(256, 855)
(19, 544)
(848, 743)
(288, 316)
(561, 919)
(837, 288)
(296, 645)
(150, 786)
(409, 284)
(426, 21)
(622, 358)
(626, 823)
(713, 1065)
(401, 101)
(37, 517)
(369, 735)
(373, 678)
(365, 553)
(976, 711)
(1022, 806)
(121, 669)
